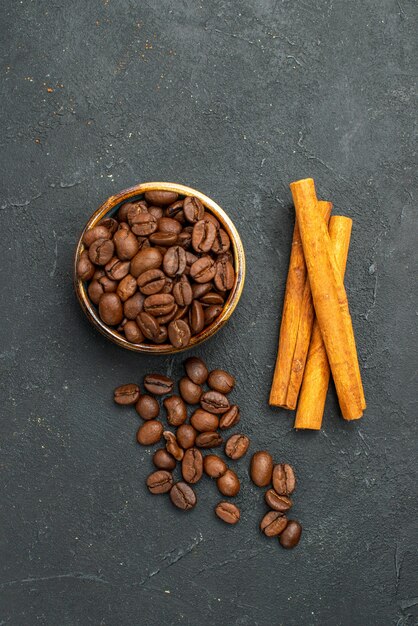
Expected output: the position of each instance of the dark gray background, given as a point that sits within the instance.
(236, 99)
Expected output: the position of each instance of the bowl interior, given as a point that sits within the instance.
(109, 209)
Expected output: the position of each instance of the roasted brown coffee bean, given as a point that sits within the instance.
(160, 482)
(85, 268)
(147, 407)
(273, 523)
(228, 512)
(117, 269)
(164, 460)
(211, 313)
(132, 332)
(185, 239)
(284, 481)
(222, 242)
(168, 287)
(196, 317)
(122, 214)
(203, 421)
(182, 292)
(149, 433)
(134, 209)
(110, 224)
(194, 209)
(162, 335)
(95, 291)
(151, 282)
(196, 370)
(143, 224)
(290, 537)
(163, 239)
(237, 446)
(214, 466)
(126, 287)
(172, 446)
(133, 306)
(110, 309)
(209, 217)
(126, 394)
(174, 262)
(169, 225)
(192, 465)
(158, 384)
(181, 313)
(203, 270)
(109, 286)
(230, 418)
(97, 232)
(148, 325)
(176, 410)
(228, 484)
(179, 333)
(126, 244)
(101, 251)
(147, 259)
(159, 304)
(143, 243)
(208, 440)
(225, 276)
(189, 391)
(161, 198)
(214, 402)
(183, 496)
(200, 289)
(186, 436)
(212, 298)
(156, 211)
(166, 319)
(221, 381)
(277, 502)
(174, 209)
(203, 236)
(261, 468)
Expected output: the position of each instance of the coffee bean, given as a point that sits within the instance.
(277, 502)
(192, 465)
(174, 209)
(261, 468)
(135, 209)
(179, 333)
(126, 288)
(122, 214)
(183, 496)
(237, 446)
(273, 523)
(164, 460)
(147, 259)
(101, 251)
(172, 446)
(156, 211)
(185, 239)
(182, 292)
(284, 481)
(160, 482)
(189, 391)
(228, 484)
(151, 282)
(147, 407)
(212, 298)
(209, 217)
(143, 224)
(117, 269)
(221, 243)
(225, 276)
(203, 421)
(194, 209)
(126, 394)
(149, 433)
(230, 418)
(163, 239)
(290, 537)
(110, 224)
(85, 268)
(214, 402)
(196, 370)
(97, 232)
(158, 384)
(174, 262)
(208, 439)
(126, 244)
(203, 236)
(228, 512)
(95, 291)
(162, 335)
(144, 243)
(169, 225)
(133, 306)
(132, 332)
(148, 325)
(221, 381)
(110, 309)
(186, 436)
(196, 317)
(214, 466)
(200, 289)
(203, 270)
(161, 198)
(212, 313)
(176, 410)
(159, 304)
(109, 286)
(173, 314)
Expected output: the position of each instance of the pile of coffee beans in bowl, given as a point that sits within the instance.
(160, 271)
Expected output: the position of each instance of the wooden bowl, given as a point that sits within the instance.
(108, 209)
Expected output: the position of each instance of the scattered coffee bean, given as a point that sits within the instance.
(172, 446)
(182, 496)
(214, 402)
(186, 436)
(147, 407)
(203, 421)
(273, 523)
(261, 468)
(237, 446)
(176, 410)
(290, 537)
(214, 466)
(164, 460)
(219, 380)
(196, 370)
(228, 484)
(158, 384)
(230, 418)
(149, 433)
(228, 512)
(208, 440)
(277, 502)
(126, 394)
(192, 465)
(160, 482)
(190, 392)
(284, 481)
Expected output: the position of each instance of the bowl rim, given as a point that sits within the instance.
(112, 205)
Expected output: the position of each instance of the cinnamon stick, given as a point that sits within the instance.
(296, 325)
(330, 300)
(317, 372)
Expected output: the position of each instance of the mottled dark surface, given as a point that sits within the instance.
(236, 99)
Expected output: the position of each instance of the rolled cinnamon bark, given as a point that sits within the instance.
(330, 300)
(296, 325)
(317, 372)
